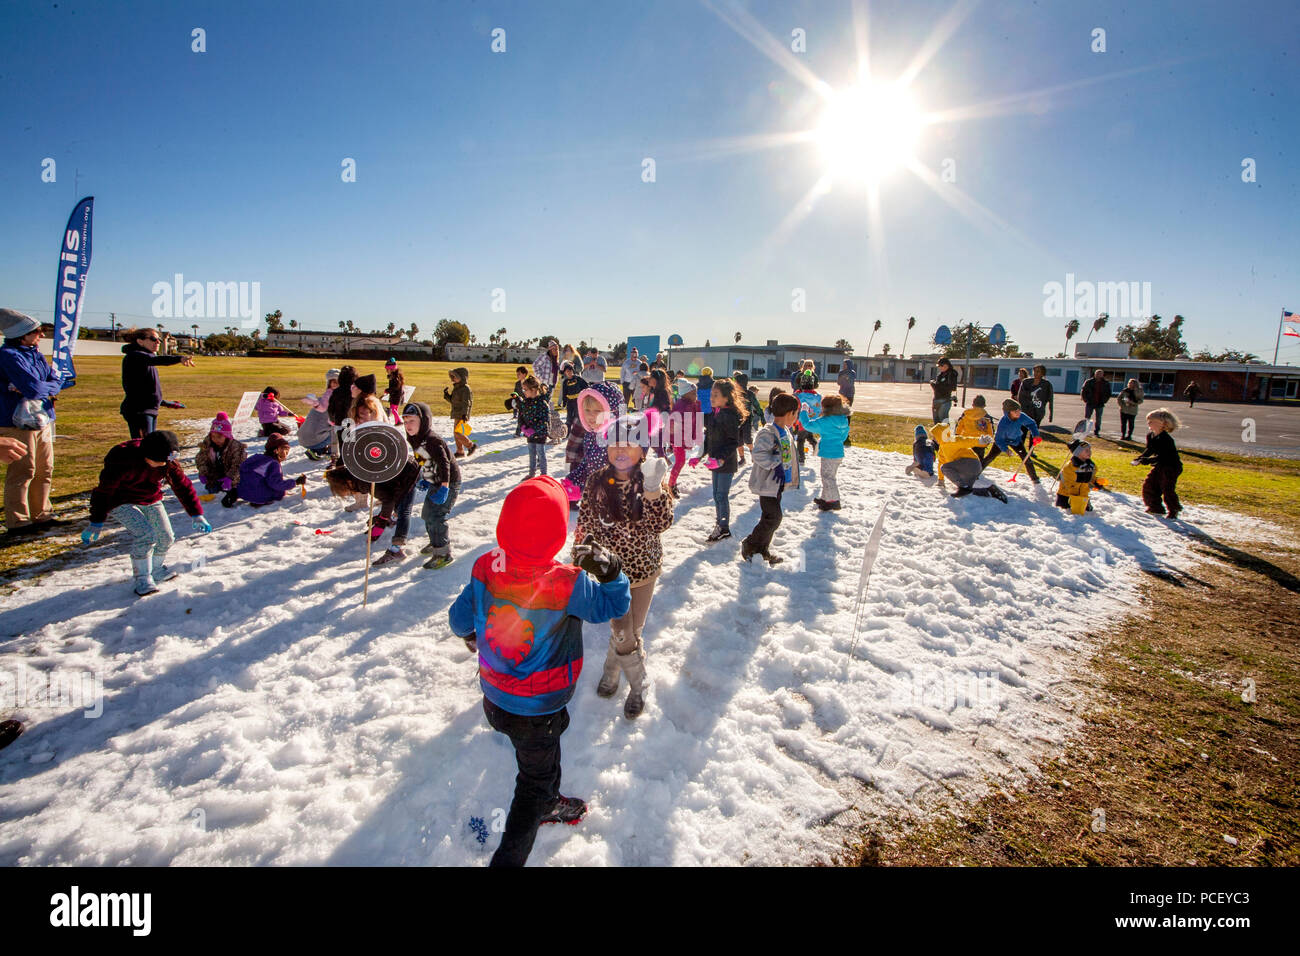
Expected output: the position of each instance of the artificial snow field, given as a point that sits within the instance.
(253, 712)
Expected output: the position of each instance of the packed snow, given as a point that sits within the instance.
(253, 711)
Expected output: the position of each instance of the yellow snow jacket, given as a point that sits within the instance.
(1077, 478)
(975, 422)
(951, 445)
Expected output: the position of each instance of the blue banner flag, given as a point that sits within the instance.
(70, 291)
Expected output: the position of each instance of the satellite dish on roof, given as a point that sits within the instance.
(943, 335)
(997, 335)
(674, 340)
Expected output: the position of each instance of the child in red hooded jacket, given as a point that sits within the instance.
(522, 611)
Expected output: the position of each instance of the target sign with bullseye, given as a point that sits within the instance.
(378, 452)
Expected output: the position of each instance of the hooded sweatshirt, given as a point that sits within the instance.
(527, 609)
(704, 392)
(437, 464)
(25, 368)
(261, 481)
(832, 429)
(922, 450)
(461, 398)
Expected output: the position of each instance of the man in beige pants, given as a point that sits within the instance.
(28, 385)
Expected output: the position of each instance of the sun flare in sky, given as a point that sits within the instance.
(868, 131)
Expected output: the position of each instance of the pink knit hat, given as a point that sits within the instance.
(221, 425)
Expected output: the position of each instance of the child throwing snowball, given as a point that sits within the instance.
(130, 490)
(625, 510)
(1077, 479)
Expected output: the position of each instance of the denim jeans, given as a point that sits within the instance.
(402, 514)
(537, 786)
(435, 516)
(941, 407)
(721, 497)
(141, 423)
(536, 458)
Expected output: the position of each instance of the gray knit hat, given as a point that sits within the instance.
(16, 324)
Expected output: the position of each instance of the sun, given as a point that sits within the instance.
(868, 131)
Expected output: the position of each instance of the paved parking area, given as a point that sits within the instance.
(1210, 426)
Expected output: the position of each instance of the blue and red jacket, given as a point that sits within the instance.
(527, 609)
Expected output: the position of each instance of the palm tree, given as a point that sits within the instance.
(843, 345)
(885, 349)
(1071, 331)
(413, 331)
(874, 329)
(1099, 324)
(293, 323)
(392, 327)
(911, 324)
(737, 338)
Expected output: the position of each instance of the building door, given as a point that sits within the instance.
(1004, 379)
(1072, 381)
(773, 368)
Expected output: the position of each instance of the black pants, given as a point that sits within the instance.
(537, 786)
(275, 428)
(141, 423)
(1126, 425)
(1018, 448)
(1162, 483)
(761, 537)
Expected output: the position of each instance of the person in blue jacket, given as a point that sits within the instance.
(522, 612)
(1010, 436)
(28, 386)
(922, 453)
(832, 426)
(260, 479)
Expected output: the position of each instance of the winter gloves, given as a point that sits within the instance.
(439, 497)
(226, 484)
(300, 480)
(166, 404)
(91, 534)
(601, 564)
(712, 464)
(201, 524)
(377, 529)
(693, 461)
(652, 473)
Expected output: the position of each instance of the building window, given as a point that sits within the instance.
(830, 369)
(1157, 384)
(741, 365)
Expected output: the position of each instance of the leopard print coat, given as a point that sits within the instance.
(635, 542)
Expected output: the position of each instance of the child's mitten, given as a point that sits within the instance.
(226, 484)
(712, 464)
(440, 496)
(693, 461)
(91, 533)
(201, 524)
(652, 474)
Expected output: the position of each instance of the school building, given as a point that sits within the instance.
(1160, 378)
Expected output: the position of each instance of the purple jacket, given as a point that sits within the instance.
(269, 409)
(260, 480)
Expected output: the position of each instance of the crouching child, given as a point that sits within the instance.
(130, 489)
(522, 612)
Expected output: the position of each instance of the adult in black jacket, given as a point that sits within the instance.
(945, 383)
(143, 391)
(339, 408)
(1095, 394)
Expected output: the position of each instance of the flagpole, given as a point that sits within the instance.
(1278, 343)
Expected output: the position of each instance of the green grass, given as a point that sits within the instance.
(1262, 487)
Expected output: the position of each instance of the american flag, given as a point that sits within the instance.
(1292, 318)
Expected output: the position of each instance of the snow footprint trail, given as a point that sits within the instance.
(254, 713)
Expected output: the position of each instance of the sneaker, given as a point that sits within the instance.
(821, 505)
(1173, 515)
(438, 561)
(427, 549)
(1157, 511)
(459, 454)
(718, 534)
(313, 455)
(999, 494)
(772, 559)
(389, 557)
(473, 447)
(399, 540)
(568, 810)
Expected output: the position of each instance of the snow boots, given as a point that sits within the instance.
(163, 573)
(633, 665)
(143, 577)
(609, 677)
(568, 810)
(9, 731)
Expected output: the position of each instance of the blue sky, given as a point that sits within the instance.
(522, 170)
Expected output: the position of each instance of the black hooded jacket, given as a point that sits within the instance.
(437, 462)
